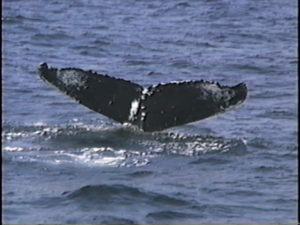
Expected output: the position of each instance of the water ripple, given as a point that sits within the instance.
(94, 145)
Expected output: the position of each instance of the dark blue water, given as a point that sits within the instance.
(65, 164)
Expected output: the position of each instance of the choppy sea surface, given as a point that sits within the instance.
(63, 163)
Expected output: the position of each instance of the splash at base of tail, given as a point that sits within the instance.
(150, 109)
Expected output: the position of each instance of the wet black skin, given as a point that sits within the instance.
(161, 107)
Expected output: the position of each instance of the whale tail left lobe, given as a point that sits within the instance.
(109, 96)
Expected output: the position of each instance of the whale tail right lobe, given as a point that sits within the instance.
(179, 103)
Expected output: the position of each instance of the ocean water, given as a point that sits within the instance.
(63, 163)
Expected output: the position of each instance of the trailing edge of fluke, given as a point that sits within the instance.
(150, 109)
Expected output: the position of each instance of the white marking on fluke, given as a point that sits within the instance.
(133, 109)
(215, 92)
(72, 78)
(145, 91)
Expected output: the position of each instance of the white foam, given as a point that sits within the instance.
(13, 135)
(39, 124)
(104, 156)
(13, 149)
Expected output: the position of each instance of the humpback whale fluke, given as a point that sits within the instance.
(150, 109)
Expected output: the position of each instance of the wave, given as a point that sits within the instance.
(103, 203)
(19, 19)
(171, 215)
(121, 194)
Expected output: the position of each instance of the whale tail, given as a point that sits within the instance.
(150, 109)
